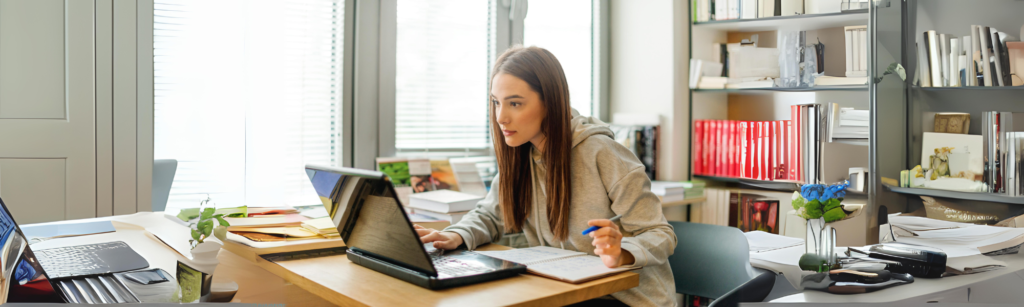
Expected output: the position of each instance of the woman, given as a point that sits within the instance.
(560, 174)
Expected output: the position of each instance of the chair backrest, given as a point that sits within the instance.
(709, 260)
(163, 176)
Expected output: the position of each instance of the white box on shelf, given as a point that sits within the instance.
(857, 176)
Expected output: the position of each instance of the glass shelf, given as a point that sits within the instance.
(783, 89)
(969, 88)
(978, 196)
(778, 185)
(796, 22)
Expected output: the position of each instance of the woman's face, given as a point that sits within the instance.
(518, 110)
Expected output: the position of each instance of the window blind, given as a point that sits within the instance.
(441, 74)
(565, 27)
(246, 93)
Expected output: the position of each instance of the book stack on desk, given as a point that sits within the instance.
(443, 204)
(322, 226)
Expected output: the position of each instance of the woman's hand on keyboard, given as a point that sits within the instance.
(442, 240)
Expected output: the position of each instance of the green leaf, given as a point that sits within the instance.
(188, 214)
(221, 232)
(223, 222)
(238, 214)
(207, 213)
(831, 204)
(813, 209)
(835, 214)
(799, 202)
(195, 234)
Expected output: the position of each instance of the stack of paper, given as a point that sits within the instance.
(322, 226)
(760, 241)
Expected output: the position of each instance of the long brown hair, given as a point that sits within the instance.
(539, 68)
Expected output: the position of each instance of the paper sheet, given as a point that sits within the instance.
(963, 242)
(760, 241)
(532, 255)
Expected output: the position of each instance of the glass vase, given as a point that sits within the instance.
(821, 240)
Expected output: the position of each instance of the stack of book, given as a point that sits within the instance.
(708, 10)
(418, 175)
(847, 123)
(856, 51)
(762, 150)
(322, 226)
(986, 57)
(694, 189)
(1002, 152)
(669, 191)
(444, 204)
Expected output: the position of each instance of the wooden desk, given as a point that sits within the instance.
(339, 281)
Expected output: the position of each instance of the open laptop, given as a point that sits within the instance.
(102, 273)
(379, 236)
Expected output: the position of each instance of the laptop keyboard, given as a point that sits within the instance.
(452, 267)
(89, 259)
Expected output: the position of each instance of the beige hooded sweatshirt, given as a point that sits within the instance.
(607, 180)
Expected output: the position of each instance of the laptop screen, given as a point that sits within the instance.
(22, 275)
(364, 207)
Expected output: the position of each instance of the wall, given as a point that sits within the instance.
(649, 58)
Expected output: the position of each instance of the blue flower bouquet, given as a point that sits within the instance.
(816, 201)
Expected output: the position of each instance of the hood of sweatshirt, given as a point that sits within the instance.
(584, 127)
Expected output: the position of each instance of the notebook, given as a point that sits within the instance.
(560, 264)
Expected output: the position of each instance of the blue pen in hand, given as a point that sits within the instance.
(592, 228)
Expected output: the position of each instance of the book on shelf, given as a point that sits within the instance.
(952, 122)
(639, 133)
(444, 201)
(1015, 52)
(833, 81)
(759, 150)
(982, 58)
(856, 50)
(559, 264)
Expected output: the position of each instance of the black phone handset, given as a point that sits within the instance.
(916, 262)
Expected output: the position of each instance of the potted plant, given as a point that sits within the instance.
(820, 205)
(196, 276)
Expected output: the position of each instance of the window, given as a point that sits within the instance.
(565, 28)
(247, 93)
(443, 65)
(441, 74)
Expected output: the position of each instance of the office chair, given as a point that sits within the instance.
(714, 261)
(163, 176)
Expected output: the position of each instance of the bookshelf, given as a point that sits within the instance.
(902, 108)
(807, 21)
(769, 104)
(774, 104)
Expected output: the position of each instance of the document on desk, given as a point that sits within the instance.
(760, 241)
(36, 233)
(559, 264)
(968, 241)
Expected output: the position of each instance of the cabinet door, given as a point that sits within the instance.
(47, 109)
